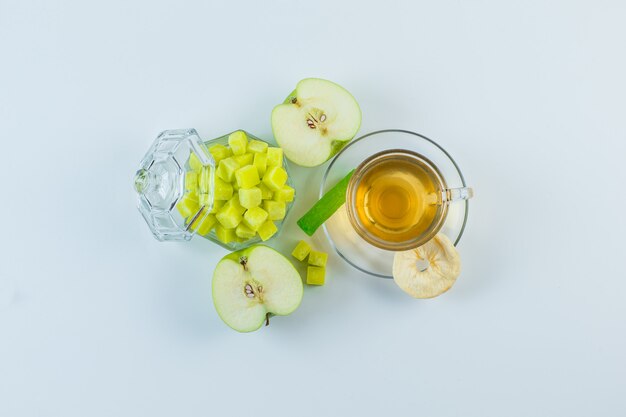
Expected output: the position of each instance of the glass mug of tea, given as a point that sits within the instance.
(398, 199)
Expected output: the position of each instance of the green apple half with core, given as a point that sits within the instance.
(251, 285)
(317, 119)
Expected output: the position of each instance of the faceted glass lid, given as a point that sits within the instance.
(160, 182)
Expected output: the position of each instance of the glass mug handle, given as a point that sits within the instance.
(456, 194)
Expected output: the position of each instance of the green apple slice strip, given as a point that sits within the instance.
(315, 122)
(325, 207)
(251, 285)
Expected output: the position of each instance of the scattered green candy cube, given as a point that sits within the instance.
(301, 251)
(238, 142)
(255, 217)
(315, 275)
(226, 169)
(275, 178)
(275, 210)
(247, 177)
(318, 258)
(250, 197)
(245, 159)
(274, 157)
(225, 235)
(267, 230)
(188, 205)
(228, 216)
(244, 231)
(223, 190)
(266, 193)
(220, 152)
(285, 194)
(257, 146)
(260, 162)
(191, 181)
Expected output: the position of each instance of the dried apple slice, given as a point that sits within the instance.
(429, 270)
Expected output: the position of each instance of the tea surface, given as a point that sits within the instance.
(396, 200)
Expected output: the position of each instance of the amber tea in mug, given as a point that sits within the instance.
(398, 199)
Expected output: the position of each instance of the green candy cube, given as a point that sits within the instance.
(217, 205)
(204, 200)
(223, 190)
(204, 179)
(250, 197)
(275, 178)
(275, 210)
(257, 146)
(266, 193)
(225, 235)
(226, 169)
(260, 162)
(274, 157)
(255, 217)
(228, 216)
(245, 159)
(318, 258)
(238, 142)
(301, 251)
(285, 194)
(220, 152)
(267, 230)
(194, 162)
(234, 203)
(204, 226)
(315, 275)
(244, 231)
(191, 181)
(188, 205)
(247, 177)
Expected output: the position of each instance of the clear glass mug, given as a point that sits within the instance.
(160, 183)
(427, 211)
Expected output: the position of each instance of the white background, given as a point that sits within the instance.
(99, 319)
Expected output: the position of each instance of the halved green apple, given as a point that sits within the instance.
(317, 119)
(254, 284)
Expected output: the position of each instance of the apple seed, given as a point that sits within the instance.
(249, 291)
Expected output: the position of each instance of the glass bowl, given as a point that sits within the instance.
(161, 185)
(235, 246)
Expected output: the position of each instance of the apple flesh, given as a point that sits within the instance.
(251, 285)
(315, 121)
